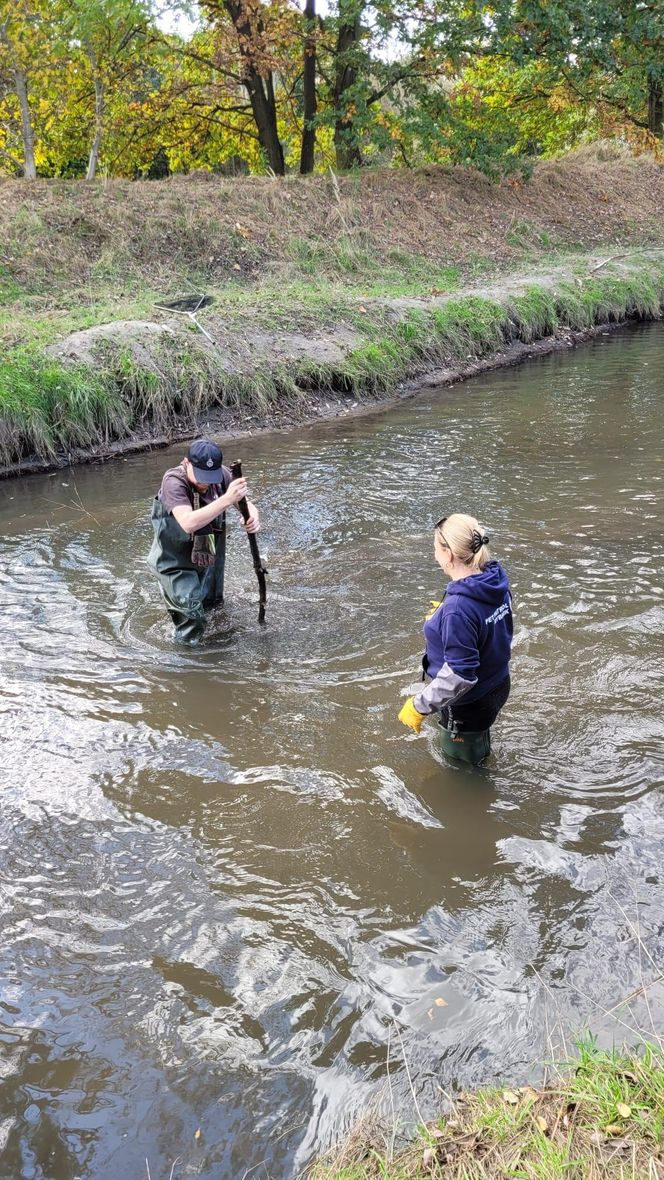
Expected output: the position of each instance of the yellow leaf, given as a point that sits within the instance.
(197, 1133)
(541, 1124)
(440, 1002)
(624, 1110)
(511, 1097)
(613, 1129)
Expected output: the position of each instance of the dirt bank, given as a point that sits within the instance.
(60, 237)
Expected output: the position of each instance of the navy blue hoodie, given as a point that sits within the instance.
(472, 631)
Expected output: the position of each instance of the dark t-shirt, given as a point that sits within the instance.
(175, 489)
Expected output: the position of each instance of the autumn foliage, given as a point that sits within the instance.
(109, 86)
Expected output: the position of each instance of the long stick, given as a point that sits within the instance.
(259, 564)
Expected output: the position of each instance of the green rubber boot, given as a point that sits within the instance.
(466, 747)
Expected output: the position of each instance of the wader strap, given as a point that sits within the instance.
(452, 724)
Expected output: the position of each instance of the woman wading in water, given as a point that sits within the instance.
(468, 643)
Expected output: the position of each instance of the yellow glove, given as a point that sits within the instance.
(434, 608)
(410, 716)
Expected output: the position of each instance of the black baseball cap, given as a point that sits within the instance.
(206, 459)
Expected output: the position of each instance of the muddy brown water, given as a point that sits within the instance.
(232, 887)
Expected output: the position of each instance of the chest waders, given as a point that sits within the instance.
(466, 746)
(187, 589)
(471, 746)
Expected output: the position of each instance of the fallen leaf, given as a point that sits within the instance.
(541, 1124)
(197, 1133)
(236, 266)
(613, 1129)
(363, 310)
(430, 1013)
(440, 1002)
(428, 1157)
(624, 1110)
(436, 1132)
(511, 1097)
(627, 1073)
(242, 230)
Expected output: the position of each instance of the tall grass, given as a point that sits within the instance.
(46, 408)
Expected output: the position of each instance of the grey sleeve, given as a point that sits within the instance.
(445, 688)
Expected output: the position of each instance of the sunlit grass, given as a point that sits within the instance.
(601, 1118)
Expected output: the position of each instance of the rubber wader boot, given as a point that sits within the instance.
(187, 590)
(466, 747)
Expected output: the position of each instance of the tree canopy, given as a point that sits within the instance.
(101, 86)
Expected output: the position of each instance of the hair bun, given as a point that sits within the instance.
(478, 540)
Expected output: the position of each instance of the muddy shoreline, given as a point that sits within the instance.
(226, 425)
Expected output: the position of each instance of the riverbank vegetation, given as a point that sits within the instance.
(319, 288)
(459, 165)
(601, 1117)
(48, 407)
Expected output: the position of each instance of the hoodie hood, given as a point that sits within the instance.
(489, 587)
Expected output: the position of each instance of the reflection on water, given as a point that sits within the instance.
(230, 883)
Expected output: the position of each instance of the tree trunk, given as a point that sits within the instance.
(265, 118)
(100, 97)
(308, 148)
(259, 88)
(21, 86)
(345, 75)
(656, 107)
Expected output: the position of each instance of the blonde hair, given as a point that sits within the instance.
(466, 539)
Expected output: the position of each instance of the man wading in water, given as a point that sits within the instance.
(188, 553)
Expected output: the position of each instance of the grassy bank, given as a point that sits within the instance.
(48, 407)
(321, 288)
(601, 1118)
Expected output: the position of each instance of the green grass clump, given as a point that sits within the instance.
(46, 407)
(9, 288)
(601, 1118)
(535, 314)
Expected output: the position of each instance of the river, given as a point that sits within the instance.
(232, 887)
